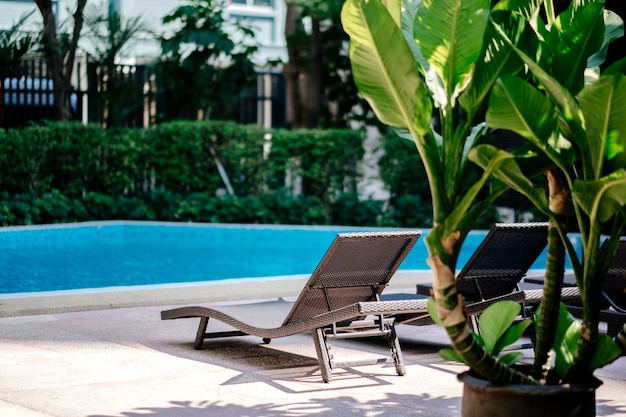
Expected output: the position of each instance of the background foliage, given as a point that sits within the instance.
(65, 172)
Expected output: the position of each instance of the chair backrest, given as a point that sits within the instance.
(355, 268)
(615, 280)
(502, 259)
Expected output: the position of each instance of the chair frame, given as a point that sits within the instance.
(340, 300)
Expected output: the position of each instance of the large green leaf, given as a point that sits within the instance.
(496, 58)
(384, 68)
(606, 352)
(511, 358)
(407, 22)
(516, 105)
(394, 7)
(529, 9)
(614, 29)
(565, 340)
(512, 335)
(408, 9)
(603, 198)
(570, 116)
(463, 213)
(450, 35)
(432, 311)
(495, 321)
(603, 104)
(450, 355)
(575, 35)
(504, 166)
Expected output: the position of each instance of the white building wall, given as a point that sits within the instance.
(268, 23)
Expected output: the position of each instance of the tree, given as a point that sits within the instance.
(320, 88)
(109, 34)
(13, 46)
(60, 52)
(579, 126)
(203, 70)
(455, 56)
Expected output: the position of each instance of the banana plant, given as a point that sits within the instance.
(415, 59)
(581, 129)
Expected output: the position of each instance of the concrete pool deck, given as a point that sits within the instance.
(108, 354)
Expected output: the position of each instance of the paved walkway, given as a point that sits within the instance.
(126, 362)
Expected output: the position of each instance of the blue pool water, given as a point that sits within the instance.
(111, 254)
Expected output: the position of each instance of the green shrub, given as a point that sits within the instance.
(401, 168)
(65, 172)
(408, 211)
(347, 209)
(98, 206)
(285, 208)
(325, 160)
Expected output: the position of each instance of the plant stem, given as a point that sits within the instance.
(553, 281)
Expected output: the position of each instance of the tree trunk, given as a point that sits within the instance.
(292, 69)
(591, 296)
(304, 71)
(558, 192)
(60, 61)
(315, 94)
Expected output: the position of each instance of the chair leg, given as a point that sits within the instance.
(473, 323)
(396, 352)
(323, 357)
(197, 344)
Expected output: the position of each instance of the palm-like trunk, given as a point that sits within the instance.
(553, 282)
(591, 294)
(453, 317)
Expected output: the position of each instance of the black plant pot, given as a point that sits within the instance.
(481, 398)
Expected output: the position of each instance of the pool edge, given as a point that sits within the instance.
(166, 295)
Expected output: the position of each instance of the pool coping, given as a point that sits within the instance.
(28, 304)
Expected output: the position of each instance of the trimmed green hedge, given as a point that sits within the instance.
(63, 172)
(66, 172)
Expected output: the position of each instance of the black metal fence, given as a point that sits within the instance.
(125, 97)
(132, 99)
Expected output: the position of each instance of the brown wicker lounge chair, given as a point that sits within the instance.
(501, 261)
(495, 270)
(340, 300)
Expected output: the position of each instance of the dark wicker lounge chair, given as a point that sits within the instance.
(340, 300)
(501, 261)
(495, 270)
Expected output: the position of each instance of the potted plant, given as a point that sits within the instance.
(411, 59)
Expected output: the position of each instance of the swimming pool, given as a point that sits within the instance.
(125, 253)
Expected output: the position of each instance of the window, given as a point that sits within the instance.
(254, 3)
